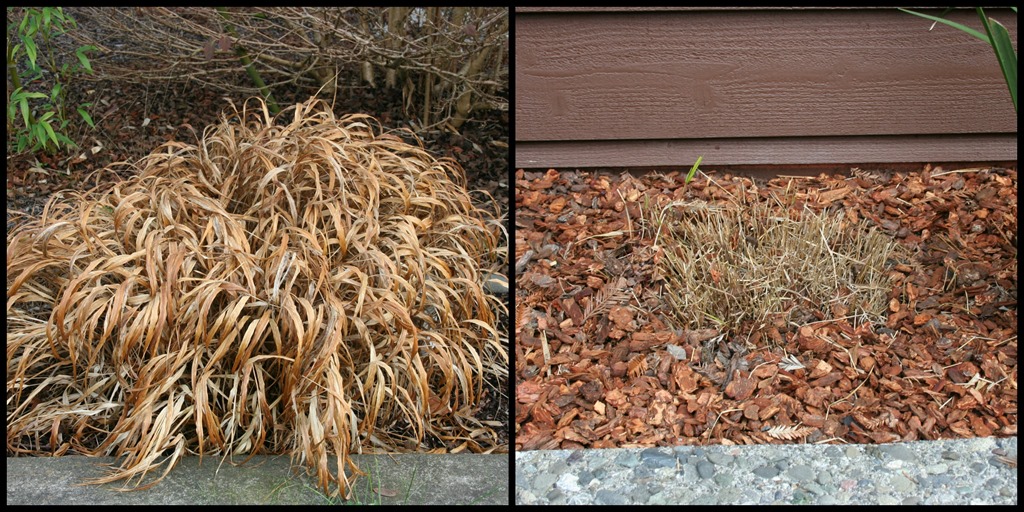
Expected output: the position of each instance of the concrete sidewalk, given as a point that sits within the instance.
(414, 479)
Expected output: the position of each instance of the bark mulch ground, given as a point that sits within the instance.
(600, 364)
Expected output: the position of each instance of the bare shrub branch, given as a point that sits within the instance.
(460, 53)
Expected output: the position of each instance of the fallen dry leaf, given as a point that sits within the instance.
(388, 493)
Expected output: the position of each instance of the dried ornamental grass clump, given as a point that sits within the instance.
(312, 288)
(727, 265)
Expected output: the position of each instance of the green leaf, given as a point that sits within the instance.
(953, 24)
(66, 141)
(86, 117)
(33, 72)
(83, 59)
(693, 170)
(38, 135)
(20, 94)
(46, 116)
(24, 23)
(30, 48)
(49, 131)
(59, 14)
(1003, 46)
(33, 23)
(24, 112)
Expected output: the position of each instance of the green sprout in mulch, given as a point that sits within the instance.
(311, 287)
(753, 262)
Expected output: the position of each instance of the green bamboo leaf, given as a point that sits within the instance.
(49, 131)
(30, 48)
(59, 14)
(33, 22)
(24, 24)
(953, 24)
(24, 94)
(85, 115)
(16, 96)
(82, 57)
(24, 111)
(1003, 46)
(66, 141)
(39, 135)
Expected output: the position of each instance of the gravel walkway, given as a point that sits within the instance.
(963, 471)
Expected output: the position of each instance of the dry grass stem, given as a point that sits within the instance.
(759, 260)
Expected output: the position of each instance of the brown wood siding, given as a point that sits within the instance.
(781, 86)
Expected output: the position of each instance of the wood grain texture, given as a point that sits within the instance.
(767, 151)
(662, 81)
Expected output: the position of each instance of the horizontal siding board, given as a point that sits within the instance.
(748, 74)
(768, 151)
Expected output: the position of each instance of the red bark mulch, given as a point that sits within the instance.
(598, 363)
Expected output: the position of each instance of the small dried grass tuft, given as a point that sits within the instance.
(762, 261)
(310, 287)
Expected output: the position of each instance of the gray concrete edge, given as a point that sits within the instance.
(414, 479)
